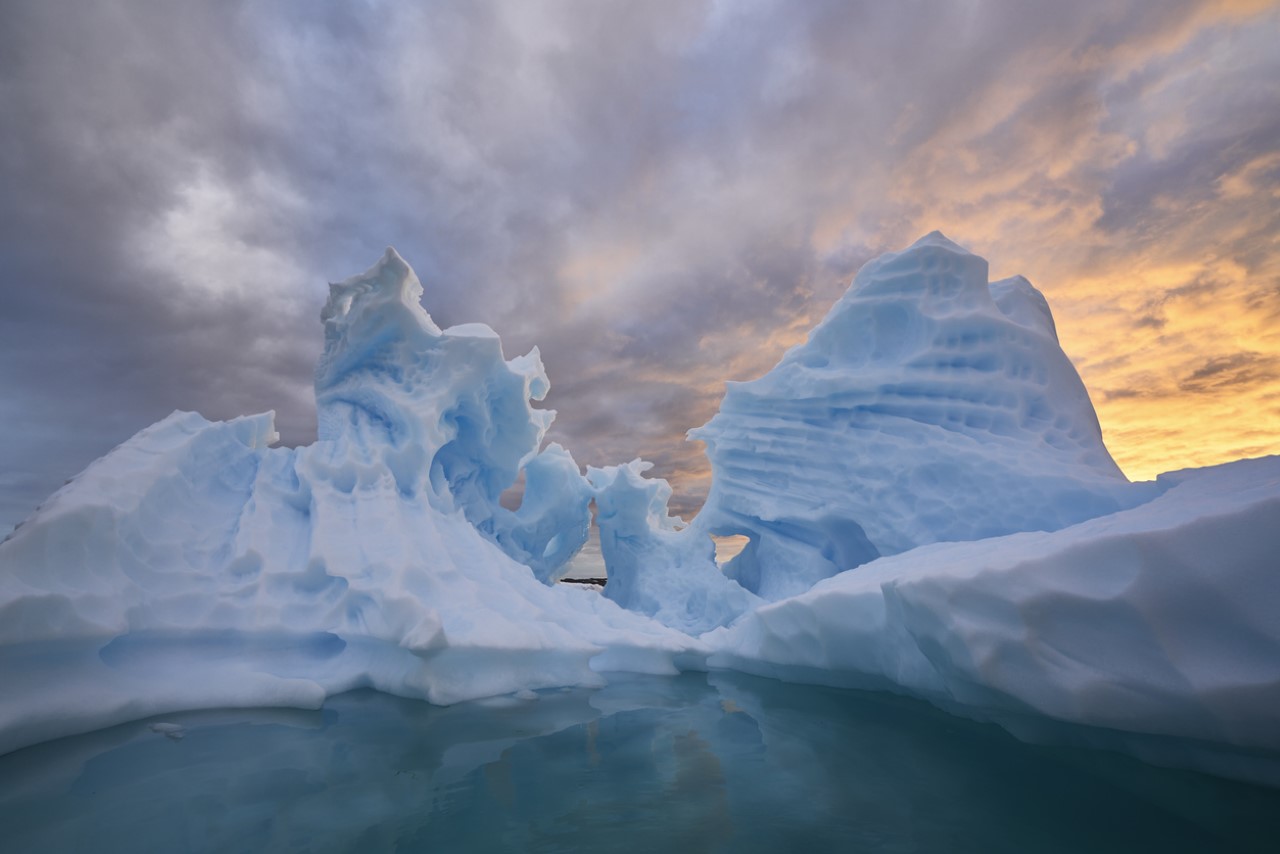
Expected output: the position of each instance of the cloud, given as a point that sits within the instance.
(1225, 373)
(661, 196)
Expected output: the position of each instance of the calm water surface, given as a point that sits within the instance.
(687, 764)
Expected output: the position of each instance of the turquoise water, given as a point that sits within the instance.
(686, 764)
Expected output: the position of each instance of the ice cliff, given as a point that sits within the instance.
(929, 505)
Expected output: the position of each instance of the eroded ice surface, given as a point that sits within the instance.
(930, 405)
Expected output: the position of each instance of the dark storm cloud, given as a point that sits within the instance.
(661, 195)
(106, 114)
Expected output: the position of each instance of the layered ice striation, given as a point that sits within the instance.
(196, 566)
(928, 406)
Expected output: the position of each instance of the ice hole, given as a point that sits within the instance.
(729, 546)
(512, 497)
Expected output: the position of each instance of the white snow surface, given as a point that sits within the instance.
(929, 504)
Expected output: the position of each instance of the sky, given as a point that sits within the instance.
(661, 196)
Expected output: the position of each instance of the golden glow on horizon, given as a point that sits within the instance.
(1183, 365)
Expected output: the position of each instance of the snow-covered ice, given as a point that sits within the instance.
(929, 505)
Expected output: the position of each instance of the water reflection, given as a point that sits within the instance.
(694, 763)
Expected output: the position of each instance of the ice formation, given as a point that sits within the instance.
(195, 566)
(445, 416)
(928, 500)
(653, 567)
(927, 406)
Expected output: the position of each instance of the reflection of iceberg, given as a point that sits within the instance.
(678, 764)
(927, 502)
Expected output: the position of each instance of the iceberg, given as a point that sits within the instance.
(928, 406)
(444, 415)
(929, 506)
(196, 566)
